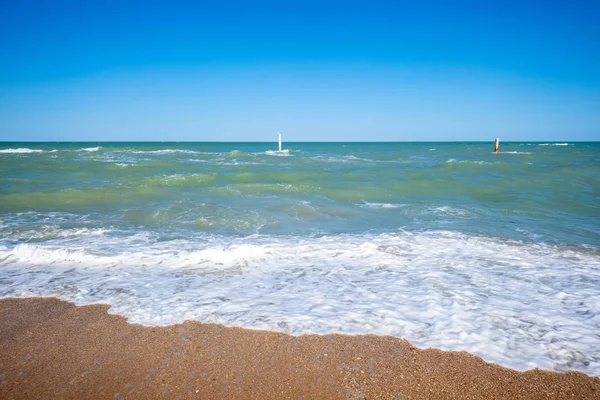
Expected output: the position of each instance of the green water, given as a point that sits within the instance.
(545, 192)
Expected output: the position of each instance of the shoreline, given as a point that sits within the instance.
(51, 348)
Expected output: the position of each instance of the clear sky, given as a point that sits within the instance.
(314, 70)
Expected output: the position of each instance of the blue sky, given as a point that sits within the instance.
(391, 71)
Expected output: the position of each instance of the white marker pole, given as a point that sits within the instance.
(279, 140)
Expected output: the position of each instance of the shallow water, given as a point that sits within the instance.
(445, 244)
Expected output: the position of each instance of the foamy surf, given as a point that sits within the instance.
(380, 205)
(517, 304)
(22, 150)
(280, 153)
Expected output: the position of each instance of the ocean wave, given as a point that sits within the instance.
(44, 232)
(518, 304)
(341, 159)
(447, 210)
(553, 144)
(282, 153)
(20, 150)
(181, 179)
(480, 162)
(380, 205)
(90, 149)
(163, 151)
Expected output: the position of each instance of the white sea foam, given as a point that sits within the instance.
(517, 304)
(52, 231)
(20, 150)
(90, 149)
(451, 211)
(480, 162)
(282, 153)
(396, 161)
(165, 151)
(553, 144)
(354, 158)
(380, 205)
(341, 159)
(514, 152)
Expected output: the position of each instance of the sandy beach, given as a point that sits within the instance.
(299, 200)
(52, 349)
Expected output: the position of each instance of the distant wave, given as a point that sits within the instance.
(282, 153)
(90, 149)
(478, 162)
(342, 159)
(450, 211)
(380, 205)
(553, 144)
(164, 151)
(20, 150)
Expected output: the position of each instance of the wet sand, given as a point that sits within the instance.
(52, 349)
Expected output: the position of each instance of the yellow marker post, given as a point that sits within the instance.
(497, 145)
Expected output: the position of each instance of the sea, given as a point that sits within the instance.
(448, 245)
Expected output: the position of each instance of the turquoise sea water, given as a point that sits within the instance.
(530, 191)
(446, 244)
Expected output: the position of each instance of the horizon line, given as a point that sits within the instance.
(296, 141)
